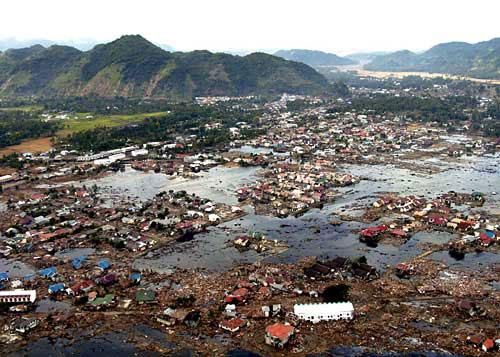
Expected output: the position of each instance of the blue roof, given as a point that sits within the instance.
(490, 234)
(4, 276)
(48, 272)
(135, 277)
(103, 264)
(29, 277)
(78, 262)
(55, 288)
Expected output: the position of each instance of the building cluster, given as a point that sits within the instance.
(407, 215)
(291, 188)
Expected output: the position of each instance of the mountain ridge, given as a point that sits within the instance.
(133, 66)
(479, 60)
(314, 58)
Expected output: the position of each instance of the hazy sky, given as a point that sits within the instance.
(336, 26)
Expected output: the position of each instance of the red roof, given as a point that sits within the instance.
(83, 285)
(37, 196)
(438, 220)
(488, 344)
(280, 331)
(81, 193)
(238, 295)
(233, 324)
(403, 266)
(184, 225)
(46, 236)
(475, 339)
(398, 232)
(464, 225)
(373, 231)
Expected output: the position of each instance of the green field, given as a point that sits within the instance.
(26, 108)
(81, 123)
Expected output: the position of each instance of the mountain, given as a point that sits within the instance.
(365, 57)
(10, 58)
(133, 66)
(12, 43)
(480, 60)
(82, 45)
(314, 58)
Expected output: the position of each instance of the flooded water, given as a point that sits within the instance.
(15, 269)
(471, 261)
(246, 149)
(114, 343)
(49, 306)
(354, 351)
(217, 184)
(74, 253)
(466, 175)
(131, 183)
(311, 234)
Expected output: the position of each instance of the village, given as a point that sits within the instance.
(77, 242)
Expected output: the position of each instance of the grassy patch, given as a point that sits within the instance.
(82, 122)
(26, 108)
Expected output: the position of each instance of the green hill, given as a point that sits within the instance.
(314, 58)
(480, 60)
(133, 66)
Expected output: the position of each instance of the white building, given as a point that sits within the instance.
(104, 154)
(324, 312)
(110, 160)
(6, 178)
(18, 296)
(139, 152)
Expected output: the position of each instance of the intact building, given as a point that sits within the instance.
(17, 296)
(324, 312)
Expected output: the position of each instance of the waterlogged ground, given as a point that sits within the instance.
(116, 343)
(312, 234)
(217, 184)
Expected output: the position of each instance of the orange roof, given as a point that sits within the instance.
(280, 331)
